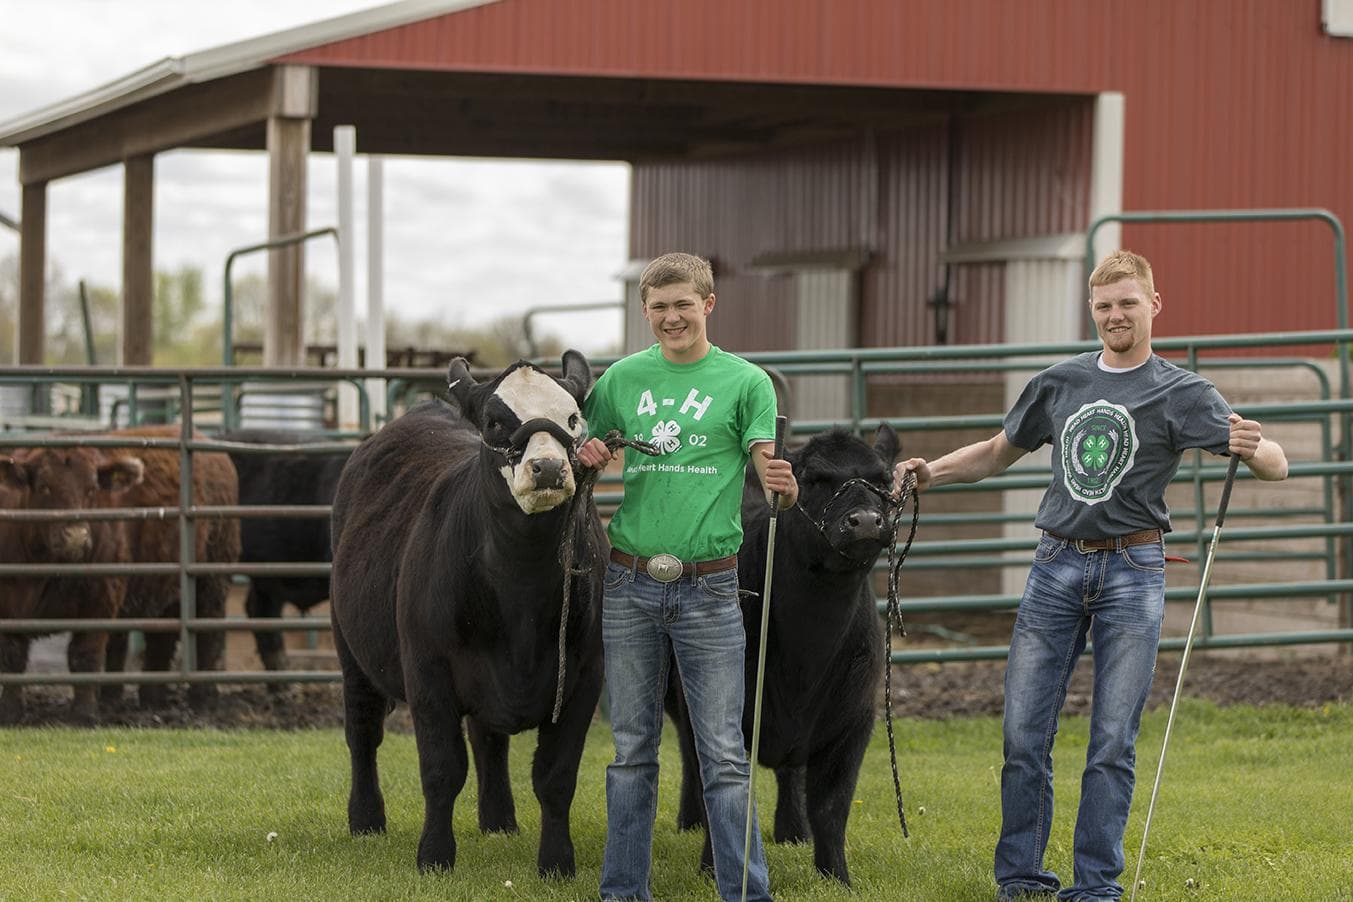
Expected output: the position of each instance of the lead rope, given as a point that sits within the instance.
(582, 494)
(895, 506)
(894, 613)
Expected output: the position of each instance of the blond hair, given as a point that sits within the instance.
(673, 269)
(1122, 265)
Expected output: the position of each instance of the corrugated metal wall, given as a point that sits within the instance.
(1021, 175)
(1229, 103)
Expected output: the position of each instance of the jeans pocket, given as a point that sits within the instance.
(722, 586)
(616, 576)
(1149, 557)
(1048, 548)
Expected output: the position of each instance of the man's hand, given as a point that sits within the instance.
(778, 476)
(594, 454)
(1245, 437)
(916, 465)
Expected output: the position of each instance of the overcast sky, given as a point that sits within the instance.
(466, 240)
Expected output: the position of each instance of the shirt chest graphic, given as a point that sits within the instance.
(1097, 447)
(672, 419)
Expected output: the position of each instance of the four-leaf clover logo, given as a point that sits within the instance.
(1095, 451)
(665, 434)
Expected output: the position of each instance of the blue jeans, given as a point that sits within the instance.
(1117, 597)
(643, 623)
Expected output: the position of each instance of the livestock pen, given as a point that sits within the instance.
(1285, 566)
(194, 814)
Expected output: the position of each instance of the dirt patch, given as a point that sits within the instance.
(970, 688)
(919, 690)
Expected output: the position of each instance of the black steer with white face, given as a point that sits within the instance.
(448, 593)
(824, 650)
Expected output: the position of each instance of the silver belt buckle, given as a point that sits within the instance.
(665, 568)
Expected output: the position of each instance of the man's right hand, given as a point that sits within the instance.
(916, 465)
(594, 454)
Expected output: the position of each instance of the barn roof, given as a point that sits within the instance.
(563, 79)
(175, 72)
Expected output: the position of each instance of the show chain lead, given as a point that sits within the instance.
(894, 614)
(582, 494)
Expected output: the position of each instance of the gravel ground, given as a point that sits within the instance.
(922, 690)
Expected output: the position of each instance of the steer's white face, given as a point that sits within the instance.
(528, 394)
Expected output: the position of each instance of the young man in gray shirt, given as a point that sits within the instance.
(1118, 420)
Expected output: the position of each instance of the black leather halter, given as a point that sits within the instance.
(521, 436)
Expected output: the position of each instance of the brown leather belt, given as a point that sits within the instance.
(688, 568)
(1141, 537)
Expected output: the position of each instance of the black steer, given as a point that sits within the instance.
(448, 592)
(824, 649)
(276, 478)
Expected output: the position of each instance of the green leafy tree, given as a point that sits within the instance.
(250, 304)
(9, 307)
(495, 344)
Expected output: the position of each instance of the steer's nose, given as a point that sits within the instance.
(547, 473)
(74, 540)
(865, 523)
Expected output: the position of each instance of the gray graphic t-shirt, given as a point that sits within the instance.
(1116, 440)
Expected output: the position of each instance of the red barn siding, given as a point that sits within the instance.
(1229, 103)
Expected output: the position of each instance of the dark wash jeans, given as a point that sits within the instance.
(643, 623)
(1117, 598)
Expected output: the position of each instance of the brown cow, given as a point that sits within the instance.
(61, 479)
(157, 540)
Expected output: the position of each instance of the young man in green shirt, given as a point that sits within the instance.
(672, 582)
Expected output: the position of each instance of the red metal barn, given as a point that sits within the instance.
(843, 161)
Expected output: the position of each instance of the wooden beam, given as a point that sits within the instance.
(288, 143)
(32, 274)
(184, 116)
(138, 279)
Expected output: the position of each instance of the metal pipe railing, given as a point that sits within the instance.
(859, 366)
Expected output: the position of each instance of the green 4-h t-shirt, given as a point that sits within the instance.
(703, 417)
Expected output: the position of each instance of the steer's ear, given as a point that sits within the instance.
(12, 473)
(121, 474)
(577, 375)
(886, 445)
(459, 382)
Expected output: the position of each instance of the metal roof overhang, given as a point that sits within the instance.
(483, 114)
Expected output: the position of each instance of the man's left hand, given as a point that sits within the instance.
(1245, 437)
(779, 477)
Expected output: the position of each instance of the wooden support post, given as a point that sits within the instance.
(138, 275)
(32, 274)
(283, 338)
(296, 96)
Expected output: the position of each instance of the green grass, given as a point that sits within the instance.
(1256, 805)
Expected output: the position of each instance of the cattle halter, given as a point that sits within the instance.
(515, 448)
(889, 504)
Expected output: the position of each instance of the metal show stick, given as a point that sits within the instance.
(1184, 663)
(780, 424)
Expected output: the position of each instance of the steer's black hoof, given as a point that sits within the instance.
(556, 861)
(434, 864)
(370, 828)
(11, 713)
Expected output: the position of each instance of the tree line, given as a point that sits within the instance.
(187, 327)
